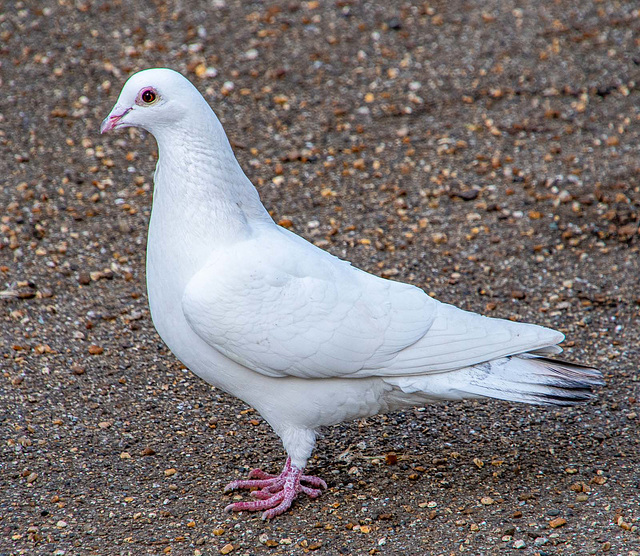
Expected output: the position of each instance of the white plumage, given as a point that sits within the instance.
(302, 336)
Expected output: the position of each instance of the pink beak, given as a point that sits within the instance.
(111, 121)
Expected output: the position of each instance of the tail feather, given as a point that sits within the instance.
(548, 350)
(525, 378)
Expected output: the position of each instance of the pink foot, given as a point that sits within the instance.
(276, 492)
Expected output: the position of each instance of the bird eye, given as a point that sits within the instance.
(148, 96)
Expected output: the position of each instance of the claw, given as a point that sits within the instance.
(313, 481)
(275, 493)
(311, 492)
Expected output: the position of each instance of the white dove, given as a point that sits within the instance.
(302, 336)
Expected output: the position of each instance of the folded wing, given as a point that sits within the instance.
(283, 307)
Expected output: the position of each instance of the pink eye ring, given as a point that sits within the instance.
(148, 96)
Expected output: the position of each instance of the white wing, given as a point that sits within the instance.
(282, 307)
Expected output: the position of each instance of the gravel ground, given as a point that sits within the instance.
(488, 152)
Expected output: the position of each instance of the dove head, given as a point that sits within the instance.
(157, 100)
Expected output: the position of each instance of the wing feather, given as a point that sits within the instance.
(282, 307)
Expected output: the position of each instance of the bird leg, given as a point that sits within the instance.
(275, 493)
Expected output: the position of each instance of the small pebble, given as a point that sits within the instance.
(557, 522)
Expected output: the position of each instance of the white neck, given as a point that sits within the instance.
(201, 196)
(205, 175)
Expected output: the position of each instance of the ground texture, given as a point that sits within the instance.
(488, 152)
